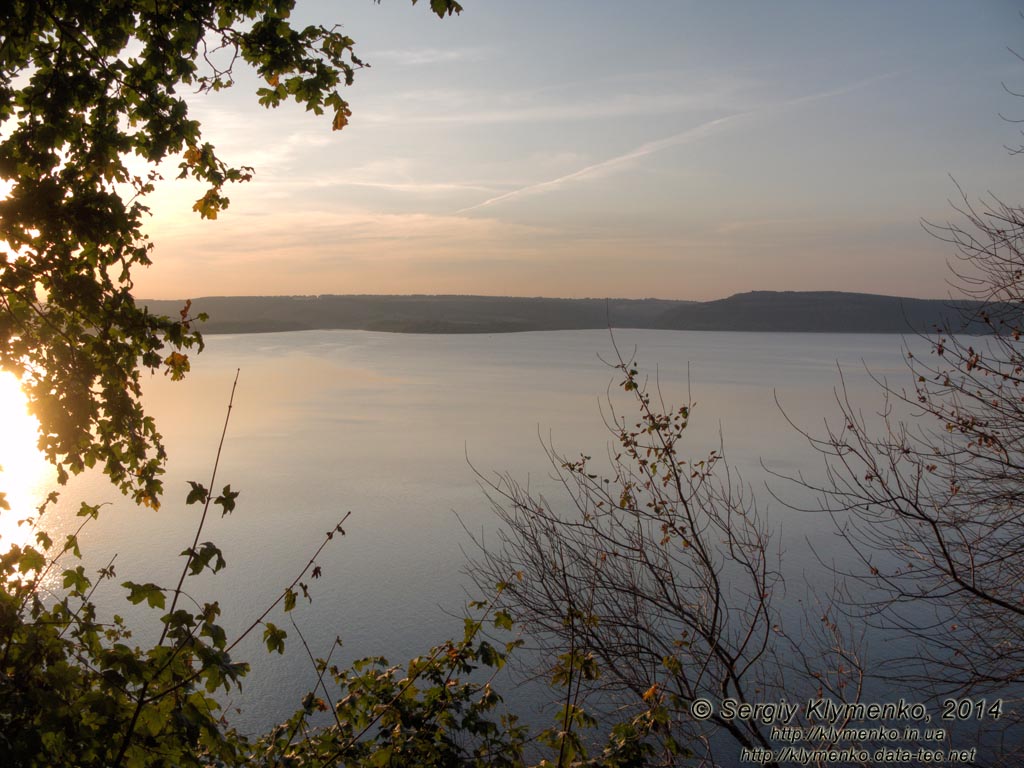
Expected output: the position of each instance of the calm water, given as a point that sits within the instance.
(381, 425)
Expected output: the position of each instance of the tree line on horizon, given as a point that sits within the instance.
(756, 311)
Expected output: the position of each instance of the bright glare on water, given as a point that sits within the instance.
(25, 475)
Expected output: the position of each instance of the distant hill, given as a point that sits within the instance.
(824, 311)
(418, 314)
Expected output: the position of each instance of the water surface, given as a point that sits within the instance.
(389, 427)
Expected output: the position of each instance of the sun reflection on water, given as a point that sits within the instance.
(25, 476)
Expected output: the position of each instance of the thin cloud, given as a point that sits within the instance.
(416, 187)
(693, 134)
(329, 230)
(689, 136)
(411, 186)
(423, 56)
(461, 108)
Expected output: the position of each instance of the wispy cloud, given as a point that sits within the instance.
(277, 188)
(425, 56)
(404, 175)
(330, 230)
(414, 187)
(624, 105)
(596, 169)
(689, 136)
(567, 101)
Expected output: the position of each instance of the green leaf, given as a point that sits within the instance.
(198, 494)
(216, 634)
(202, 557)
(71, 545)
(226, 500)
(149, 592)
(490, 655)
(76, 580)
(31, 560)
(89, 510)
(445, 7)
(274, 638)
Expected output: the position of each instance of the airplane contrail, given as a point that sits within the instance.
(684, 137)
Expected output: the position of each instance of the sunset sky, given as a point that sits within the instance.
(669, 149)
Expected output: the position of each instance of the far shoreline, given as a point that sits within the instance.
(752, 312)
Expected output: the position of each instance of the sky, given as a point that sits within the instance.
(590, 148)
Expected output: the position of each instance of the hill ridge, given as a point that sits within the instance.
(751, 311)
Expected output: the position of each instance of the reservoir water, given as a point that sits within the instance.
(390, 428)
